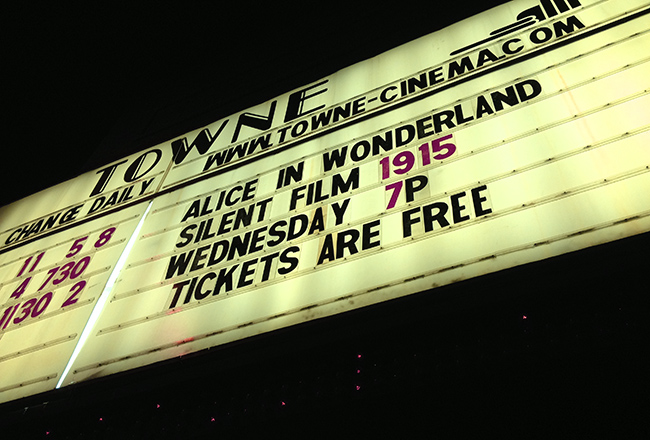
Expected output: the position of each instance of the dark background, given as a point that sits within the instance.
(87, 83)
(553, 349)
(550, 349)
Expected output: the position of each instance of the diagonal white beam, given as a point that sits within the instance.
(101, 302)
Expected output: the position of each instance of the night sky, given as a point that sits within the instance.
(539, 347)
(88, 83)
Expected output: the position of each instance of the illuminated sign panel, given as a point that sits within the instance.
(48, 291)
(507, 138)
(91, 195)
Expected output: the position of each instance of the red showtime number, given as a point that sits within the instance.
(76, 247)
(104, 237)
(6, 317)
(72, 270)
(404, 161)
(396, 187)
(78, 244)
(444, 150)
(26, 309)
(27, 261)
(75, 291)
(33, 307)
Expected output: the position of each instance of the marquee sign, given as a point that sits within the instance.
(512, 136)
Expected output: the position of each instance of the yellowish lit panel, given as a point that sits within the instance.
(47, 293)
(453, 156)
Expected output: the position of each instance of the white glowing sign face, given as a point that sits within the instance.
(48, 291)
(523, 139)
